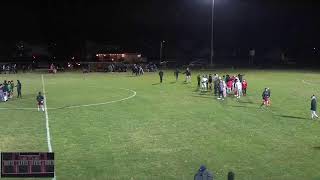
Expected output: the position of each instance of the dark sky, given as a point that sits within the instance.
(238, 23)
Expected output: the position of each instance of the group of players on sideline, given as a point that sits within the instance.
(7, 93)
(7, 89)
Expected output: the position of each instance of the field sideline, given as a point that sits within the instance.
(117, 126)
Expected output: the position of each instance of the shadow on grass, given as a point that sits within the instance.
(239, 106)
(203, 96)
(293, 117)
(155, 84)
(196, 90)
(316, 148)
(131, 76)
(246, 102)
(173, 82)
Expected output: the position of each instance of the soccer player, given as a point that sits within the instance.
(227, 78)
(1, 93)
(313, 107)
(198, 79)
(210, 80)
(11, 88)
(244, 87)
(161, 75)
(203, 174)
(141, 71)
(238, 87)
(19, 88)
(216, 84)
(266, 97)
(240, 76)
(40, 100)
(176, 74)
(229, 86)
(220, 88)
(204, 81)
(5, 89)
(188, 75)
(224, 89)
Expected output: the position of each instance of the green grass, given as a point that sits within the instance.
(168, 130)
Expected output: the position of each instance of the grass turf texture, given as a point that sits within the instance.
(168, 130)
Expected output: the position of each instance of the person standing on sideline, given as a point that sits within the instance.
(313, 107)
(176, 74)
(40, 100)
(161, 75)
(19, 88)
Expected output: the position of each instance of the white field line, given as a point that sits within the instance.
(47, 118)
(305, 82)
(312, 85)
(134, 93)
(46, 114)
(99, 104)
(18, 108)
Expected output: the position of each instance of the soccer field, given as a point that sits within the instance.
(120, 127)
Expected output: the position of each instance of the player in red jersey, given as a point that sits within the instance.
(244, 87)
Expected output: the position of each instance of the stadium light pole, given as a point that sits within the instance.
(212, 33)
(161, 51)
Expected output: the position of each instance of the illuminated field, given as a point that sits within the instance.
(115, 126)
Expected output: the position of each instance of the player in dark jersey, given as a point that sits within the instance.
(11, 88)
(266, 97)
(198, 80)
(40, 101)
(161, 75)
(188, 75)
(19, 88)
(176, 74)
(210, 80)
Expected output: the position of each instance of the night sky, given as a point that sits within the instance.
(143, 23)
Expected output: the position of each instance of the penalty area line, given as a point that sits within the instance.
(305, 82)
(104, 103)
(134, 93)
